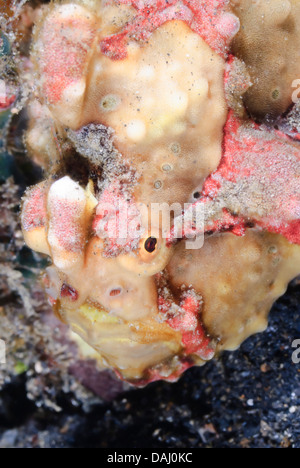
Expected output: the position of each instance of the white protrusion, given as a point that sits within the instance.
(200, 87)
(54, 287)
(136, 130)
(178, 102)
(68, 109)
(66, 189)
(74, 92)
(71, 10)
(146, 72)
(179, 128)
(36, 138)
(229, 25)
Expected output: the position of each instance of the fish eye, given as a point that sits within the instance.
(150, 244)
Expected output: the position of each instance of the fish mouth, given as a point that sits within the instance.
(131, 348)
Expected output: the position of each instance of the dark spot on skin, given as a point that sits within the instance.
(150, 244)
(250, 225)
(158, 184)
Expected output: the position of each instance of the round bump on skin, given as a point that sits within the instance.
(178, 102)
(275, 94)
(158, 184)
(175, 148)
(136, 130)
(167, 167)
(146, 72)
(110, 102)
(273, 250)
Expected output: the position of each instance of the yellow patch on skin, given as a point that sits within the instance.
(96, 315)
(130, 347)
